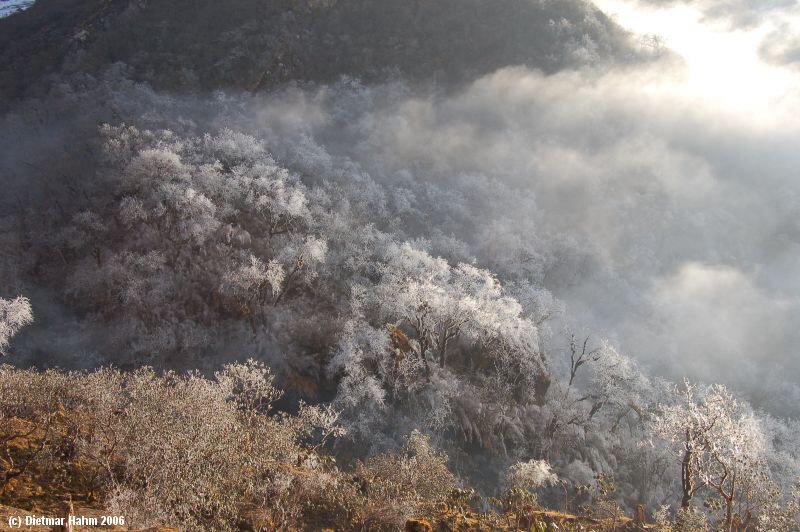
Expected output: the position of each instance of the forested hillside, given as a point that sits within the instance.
(191, 45)
(383, 208)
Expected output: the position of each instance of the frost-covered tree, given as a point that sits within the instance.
(617, 384)
(441, 304)
(722, 449)
(14, 315)
(531, 475)
(193, 231)
(419, 330)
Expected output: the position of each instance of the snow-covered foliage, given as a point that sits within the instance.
(405, 303)
(724, 453)
(14, 315)
(531, 475)
(200, 228)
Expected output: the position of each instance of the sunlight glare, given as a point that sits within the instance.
(723, 68)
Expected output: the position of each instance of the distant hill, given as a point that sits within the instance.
(9, 7)
(257, 44)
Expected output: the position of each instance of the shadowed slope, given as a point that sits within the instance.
(251, 44)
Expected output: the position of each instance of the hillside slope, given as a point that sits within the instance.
(257, 44)
(9, 7)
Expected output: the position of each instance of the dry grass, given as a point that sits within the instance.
(453, 518)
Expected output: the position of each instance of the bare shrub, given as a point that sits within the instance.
(395, 486)
(418, 470)
(30, 408)
(690, 520)
(174, 449)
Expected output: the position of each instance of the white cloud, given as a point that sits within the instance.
(626, 184)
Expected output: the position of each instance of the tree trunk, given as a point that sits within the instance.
(541, 385)
(687, 475)
(729, 514)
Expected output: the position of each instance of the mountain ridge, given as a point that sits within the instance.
(9, 7)
(257, 45)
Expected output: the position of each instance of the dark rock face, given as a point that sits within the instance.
(257, 44)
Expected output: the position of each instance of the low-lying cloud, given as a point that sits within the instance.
(663, 221)
(666, 218)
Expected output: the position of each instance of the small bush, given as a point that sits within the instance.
(171, 449)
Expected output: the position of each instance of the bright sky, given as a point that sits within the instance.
(723, 65)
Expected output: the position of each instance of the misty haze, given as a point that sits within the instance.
(400, 265)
